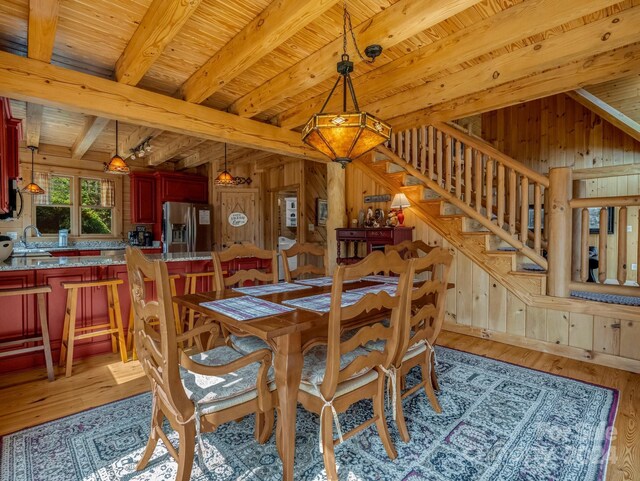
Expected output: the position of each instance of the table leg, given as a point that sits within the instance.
(288, 368)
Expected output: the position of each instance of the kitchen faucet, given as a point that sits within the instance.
(23, 239)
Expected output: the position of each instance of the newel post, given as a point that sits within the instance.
(559, 250)
(337, 209)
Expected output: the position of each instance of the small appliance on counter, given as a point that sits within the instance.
(148, 238)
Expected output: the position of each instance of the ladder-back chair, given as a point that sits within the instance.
(215, 386)
(342, 372)
(304, 251)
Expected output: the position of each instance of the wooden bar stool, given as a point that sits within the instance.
(71, 333)
(190, 287)
(130, 330)
(40, 293)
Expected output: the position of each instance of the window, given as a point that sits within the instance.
(96, 205)
(81, 204)
(53, 209)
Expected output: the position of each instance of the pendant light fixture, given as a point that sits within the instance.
(117, 165)
(32, 187)
(224, 177)
(346, 135)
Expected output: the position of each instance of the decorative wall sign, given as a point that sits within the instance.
(322, 212)
(370, 199)
(238, 219)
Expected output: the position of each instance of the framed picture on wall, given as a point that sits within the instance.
(322, 211)
(594, 220)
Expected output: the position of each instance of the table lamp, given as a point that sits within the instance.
(400, 201)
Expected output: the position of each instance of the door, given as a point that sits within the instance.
(244, 225)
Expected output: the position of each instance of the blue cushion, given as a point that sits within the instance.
(247, 344)
(315, 363)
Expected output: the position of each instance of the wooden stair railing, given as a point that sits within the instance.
(481, 181)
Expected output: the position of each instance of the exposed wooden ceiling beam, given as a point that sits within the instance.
(90, 131)
(34, 124)
(41, 35)
(275, 24)
(619, 30)
(43, 23)
(505, 27)
(33, 81)
(607, 112)
(171, 150)
(598, 68)
(389, 27)
(159, 26)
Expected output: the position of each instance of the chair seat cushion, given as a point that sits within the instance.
(315, 363)
(344, 387)
(247, 344)
(205, 390)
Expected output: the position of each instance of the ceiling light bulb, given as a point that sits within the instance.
(147, 148)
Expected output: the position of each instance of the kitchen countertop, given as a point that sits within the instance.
(34, 263)
(75, 246)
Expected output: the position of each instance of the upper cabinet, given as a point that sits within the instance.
(10, 130)
(183, 187)
(143, 198)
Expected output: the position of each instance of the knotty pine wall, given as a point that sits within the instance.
(481, 306)
(559, 132)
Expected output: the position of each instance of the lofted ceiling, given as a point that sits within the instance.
(272, 63)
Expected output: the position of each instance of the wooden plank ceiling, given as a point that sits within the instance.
(260, 68)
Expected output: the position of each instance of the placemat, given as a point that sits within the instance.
(321, 281)
(246, 307)
(266, 289)
(322, 302)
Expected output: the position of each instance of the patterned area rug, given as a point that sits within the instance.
(499, 422)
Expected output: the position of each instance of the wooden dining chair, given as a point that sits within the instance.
(409, 249)
(303, 252)
(194, 393)
(240, 254)
(419, 332)
(341, 372)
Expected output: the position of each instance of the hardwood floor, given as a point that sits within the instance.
(28, 399)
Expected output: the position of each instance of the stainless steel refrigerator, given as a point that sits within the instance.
(187, 227)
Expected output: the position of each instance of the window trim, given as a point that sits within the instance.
(76, 209)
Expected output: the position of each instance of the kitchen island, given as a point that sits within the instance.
(17, 314)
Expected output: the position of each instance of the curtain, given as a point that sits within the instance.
(108, 193)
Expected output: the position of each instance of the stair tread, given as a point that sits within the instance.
(500, 253)
(529, 273)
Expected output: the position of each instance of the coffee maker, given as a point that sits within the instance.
(148, 238)
(134, 238)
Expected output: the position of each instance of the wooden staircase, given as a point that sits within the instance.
(473, 196)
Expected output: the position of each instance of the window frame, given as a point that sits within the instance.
(76, 207)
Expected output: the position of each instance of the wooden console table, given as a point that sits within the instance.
(374, 238)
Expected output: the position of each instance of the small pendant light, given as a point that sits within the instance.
(224, 177)
(117, 165)
(32, 187)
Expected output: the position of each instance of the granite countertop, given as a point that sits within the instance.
(75, 246)
(34, 263)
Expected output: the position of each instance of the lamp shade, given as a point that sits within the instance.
(346, 136)
(225, 178)
(117, 165)
(33, 188)
(400, 201)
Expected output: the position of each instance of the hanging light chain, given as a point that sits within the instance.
(347, 21)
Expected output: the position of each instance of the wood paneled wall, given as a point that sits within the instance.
(559, 132)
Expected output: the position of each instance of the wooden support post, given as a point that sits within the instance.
(407, 146)
(489, 188)
(431, 153)
(537, 222)
(602, 245)
(622, 246)
(559, 249)
(439, 152)
(513, 197)
(458, 166)
(423, 149)
(500, 195)
(337, 207)
(477, 180)
(579, 191)
(414, 147)
(447, 158)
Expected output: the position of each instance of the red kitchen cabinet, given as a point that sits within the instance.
(71, 253)
(183, 187)
(13, 129)
(89, 253)
(10, 129)
(143, 199)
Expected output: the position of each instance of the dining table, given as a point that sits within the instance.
(288, 334)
